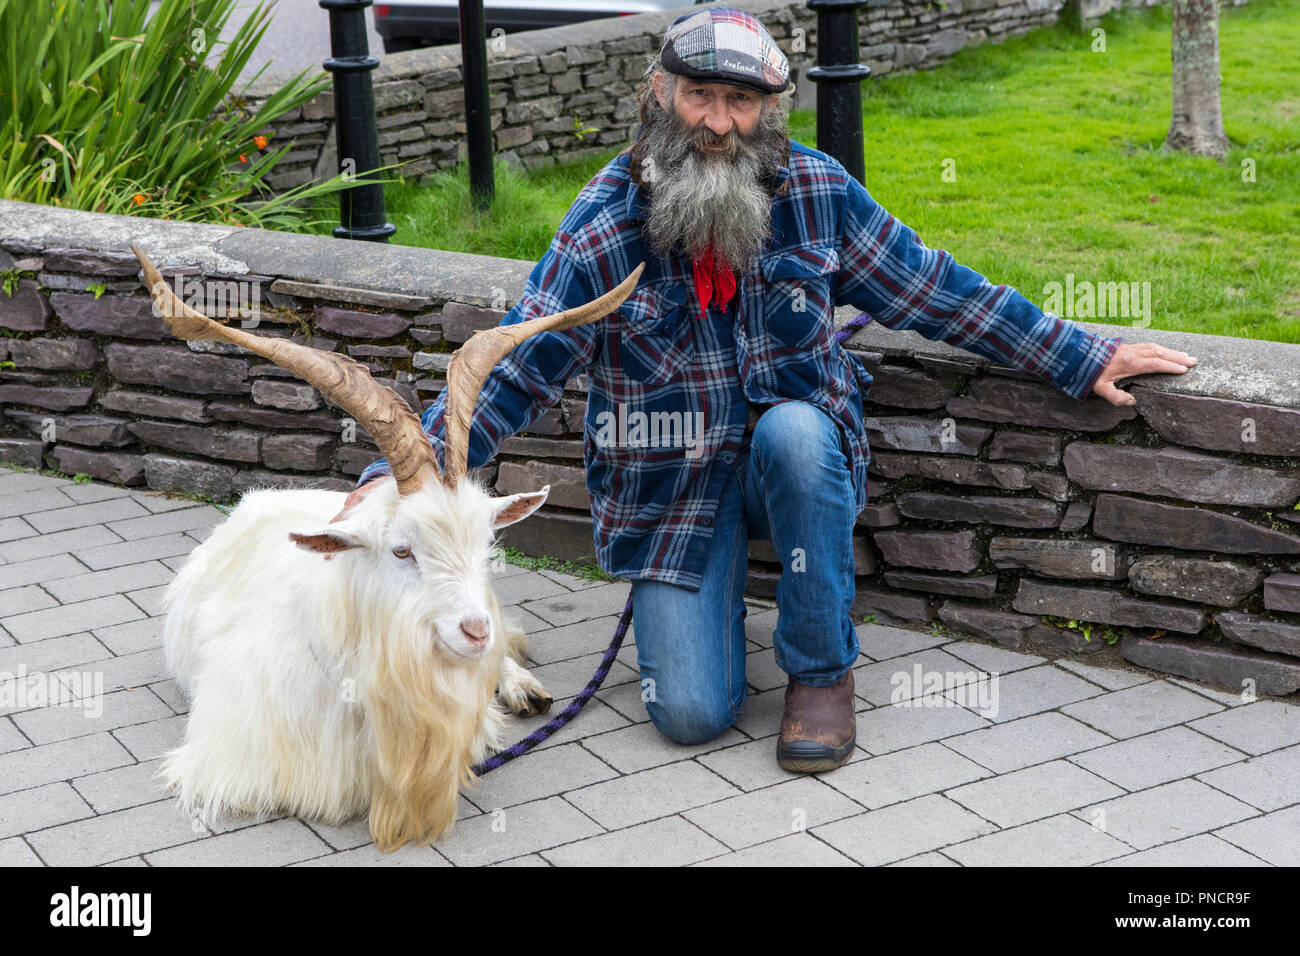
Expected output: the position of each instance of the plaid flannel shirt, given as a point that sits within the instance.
(653, 501)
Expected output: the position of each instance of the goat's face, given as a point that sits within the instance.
(425, 557)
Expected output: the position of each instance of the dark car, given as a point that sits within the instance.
(410, 24)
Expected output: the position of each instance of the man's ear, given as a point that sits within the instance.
(518, 507)
(660, 83)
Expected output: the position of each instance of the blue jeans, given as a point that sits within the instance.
(792, 486)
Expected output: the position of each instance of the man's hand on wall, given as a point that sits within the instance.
(1144, 358)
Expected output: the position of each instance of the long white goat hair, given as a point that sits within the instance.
(318, 687)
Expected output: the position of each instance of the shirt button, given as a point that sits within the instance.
(706, 521)
(728, 456)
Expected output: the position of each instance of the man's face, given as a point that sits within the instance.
(719, 107)
(709, 150)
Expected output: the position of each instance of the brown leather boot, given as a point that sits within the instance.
(817, 730)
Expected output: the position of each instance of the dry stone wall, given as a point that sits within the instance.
(998, 506)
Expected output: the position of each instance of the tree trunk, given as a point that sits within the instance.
(1197, 125)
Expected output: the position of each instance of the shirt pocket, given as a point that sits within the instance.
(799, 294)
(657, 339)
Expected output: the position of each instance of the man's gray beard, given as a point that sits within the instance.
(721, 200)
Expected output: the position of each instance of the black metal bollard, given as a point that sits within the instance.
(839, 77)
(361, 208)
(478, 117)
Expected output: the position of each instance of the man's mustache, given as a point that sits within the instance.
(705, 143)
(705, 140)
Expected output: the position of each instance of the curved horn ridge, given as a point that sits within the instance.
(474, 361)
(347, 383)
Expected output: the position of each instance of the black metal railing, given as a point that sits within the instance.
(478, 118)
(839, 76)
(361, 208)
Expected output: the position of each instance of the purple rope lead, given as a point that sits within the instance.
(575, 706)
(851, 326)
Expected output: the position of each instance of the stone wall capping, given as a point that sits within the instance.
(1240, 370)
(431, 274)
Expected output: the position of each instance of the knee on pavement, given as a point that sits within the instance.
(693, 721)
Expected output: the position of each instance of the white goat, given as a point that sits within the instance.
(335, 666)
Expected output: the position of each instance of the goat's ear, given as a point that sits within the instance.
(514, 508)
(329, 541)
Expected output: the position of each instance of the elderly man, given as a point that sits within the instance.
(750, 240)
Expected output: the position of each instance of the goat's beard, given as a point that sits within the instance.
(431, 720)
(719, 199)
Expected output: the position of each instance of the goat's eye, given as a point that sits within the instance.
(402, 552)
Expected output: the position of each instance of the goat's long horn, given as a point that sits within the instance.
(381, 411)
(470, 365)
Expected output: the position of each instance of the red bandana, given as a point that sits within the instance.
(714, 281)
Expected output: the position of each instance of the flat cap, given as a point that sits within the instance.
(725, 45)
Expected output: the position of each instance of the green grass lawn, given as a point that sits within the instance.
(1059, 169)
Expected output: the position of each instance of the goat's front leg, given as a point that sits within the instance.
(521, 692)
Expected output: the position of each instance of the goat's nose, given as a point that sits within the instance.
(475, 628)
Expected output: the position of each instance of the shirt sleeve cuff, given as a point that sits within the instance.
(1096, 355)
(375, 469)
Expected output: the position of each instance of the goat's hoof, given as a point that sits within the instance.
(530, 701)
(522, 693)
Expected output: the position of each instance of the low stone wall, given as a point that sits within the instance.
(996, 501)
(567, 93)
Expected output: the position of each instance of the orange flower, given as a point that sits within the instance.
(243, 158)
(139, 199)
(260, 141)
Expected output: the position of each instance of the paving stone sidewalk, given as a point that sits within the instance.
(1048, 763)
